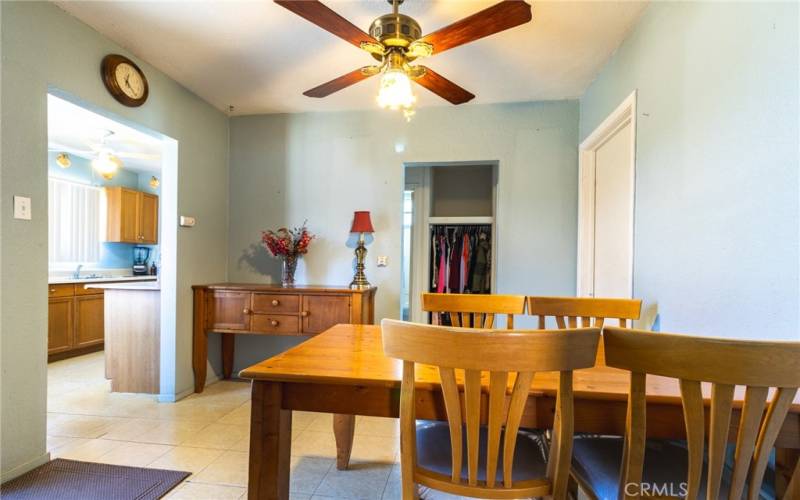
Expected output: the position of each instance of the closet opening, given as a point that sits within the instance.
(449, 232)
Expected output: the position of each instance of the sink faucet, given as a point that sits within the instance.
(77, 273)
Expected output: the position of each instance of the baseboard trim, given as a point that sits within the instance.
(174, 398)
(27, 466)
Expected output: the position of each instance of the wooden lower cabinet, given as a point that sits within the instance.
(76, 321)
(231, 309)
(59, 325)
(89, 320)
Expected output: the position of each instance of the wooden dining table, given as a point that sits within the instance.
(344, 371)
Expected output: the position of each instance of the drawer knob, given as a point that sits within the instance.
(245, 311)
(304, 314)
(273, 323)
(52, 290)
(275, 303)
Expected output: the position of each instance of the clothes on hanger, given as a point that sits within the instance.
(460, 259)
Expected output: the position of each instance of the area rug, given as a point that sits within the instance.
(69, 479)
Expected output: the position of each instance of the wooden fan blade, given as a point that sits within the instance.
(443, 87)
(495, 19)
(338, 84)
(319, 14)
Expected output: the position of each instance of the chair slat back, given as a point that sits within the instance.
(725, 364)
(474, 310)
(584, 312)
(463, 356)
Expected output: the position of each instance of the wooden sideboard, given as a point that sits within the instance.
(245, 309)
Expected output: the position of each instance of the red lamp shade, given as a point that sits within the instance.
(361, 223)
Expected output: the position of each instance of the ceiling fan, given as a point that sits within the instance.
(395, 40)
(104, 159)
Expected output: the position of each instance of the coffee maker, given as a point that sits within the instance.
(140, 256)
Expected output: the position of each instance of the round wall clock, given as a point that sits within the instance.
(124, 80)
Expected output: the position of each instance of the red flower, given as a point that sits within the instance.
(287, 242)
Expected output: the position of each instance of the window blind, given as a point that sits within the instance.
(74, 215)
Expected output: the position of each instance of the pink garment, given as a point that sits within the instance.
(442, 264)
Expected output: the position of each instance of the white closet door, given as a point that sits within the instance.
(613, 252)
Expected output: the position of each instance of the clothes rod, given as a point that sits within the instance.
(461, 220)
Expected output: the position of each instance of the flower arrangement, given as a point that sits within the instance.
(288, 245)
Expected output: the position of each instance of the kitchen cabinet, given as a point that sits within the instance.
(59, 325)
(230, 309)
(89, 319)
(75, 323)
(132, 216)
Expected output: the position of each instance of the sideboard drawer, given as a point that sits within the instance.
(275, 323)
(274, 303)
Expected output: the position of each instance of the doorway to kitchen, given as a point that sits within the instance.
(112, 231)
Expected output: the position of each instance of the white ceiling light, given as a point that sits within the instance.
(106, 163)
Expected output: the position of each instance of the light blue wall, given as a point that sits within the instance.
(716, 229)
(44, 48)
(112, 255)
(285, 169)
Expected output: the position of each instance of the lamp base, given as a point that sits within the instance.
(360, 279)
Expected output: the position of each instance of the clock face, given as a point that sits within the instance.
(129, 80)
(124, 80)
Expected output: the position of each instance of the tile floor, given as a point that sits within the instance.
(207, 435)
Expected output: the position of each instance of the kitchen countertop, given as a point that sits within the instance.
(60, 280)
(152, 286)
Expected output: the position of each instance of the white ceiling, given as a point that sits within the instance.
(259, 57)
(80, 132)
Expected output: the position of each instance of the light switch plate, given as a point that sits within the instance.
(187, 221)
(383, 261)
(22, 208)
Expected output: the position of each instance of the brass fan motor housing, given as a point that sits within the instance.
(395, 30)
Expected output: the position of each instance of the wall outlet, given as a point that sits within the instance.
(22, 208)
(383, 261)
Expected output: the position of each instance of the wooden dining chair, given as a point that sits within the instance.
(474, 310)
(571, 312)
(675, 468)
(433, 456)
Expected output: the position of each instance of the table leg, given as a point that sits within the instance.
(270, 444)
(787, 472)
(343, 428)
(228, 343)
(199, 342)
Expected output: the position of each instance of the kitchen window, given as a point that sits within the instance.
(75, 220)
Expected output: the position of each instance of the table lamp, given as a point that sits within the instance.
(362, 225)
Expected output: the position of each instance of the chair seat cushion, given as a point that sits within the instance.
(596, 463)
(434, 452)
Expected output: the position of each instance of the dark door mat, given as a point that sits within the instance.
(69, 479)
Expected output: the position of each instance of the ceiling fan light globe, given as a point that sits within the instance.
(395, 90)
(106, 164)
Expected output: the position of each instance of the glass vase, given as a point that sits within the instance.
(287, 271)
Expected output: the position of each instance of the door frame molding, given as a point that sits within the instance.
(623, 115)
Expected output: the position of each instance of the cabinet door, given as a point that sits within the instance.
(59, 324)
(89, 320)
(123, 215)
(228, 311)
(129, 216)
(148, 218)
(321, 312)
